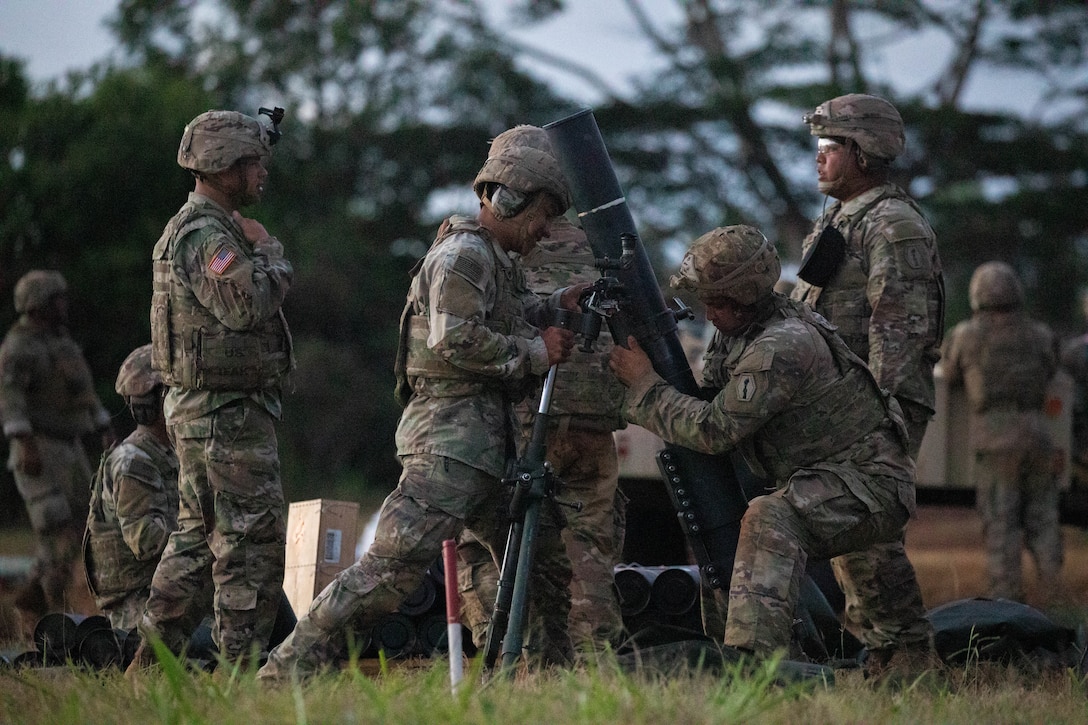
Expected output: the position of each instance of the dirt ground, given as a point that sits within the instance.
(943, 542)
(945, 545)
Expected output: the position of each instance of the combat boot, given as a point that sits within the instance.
(143, 660)
(905, 666)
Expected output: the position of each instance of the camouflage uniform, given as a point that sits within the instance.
(886, 300)
(134, 509)
(804, 412)
(1074, 360)
(46, 392)
(1004, 360)
(223, 347)
(586, 406)
(467, 352)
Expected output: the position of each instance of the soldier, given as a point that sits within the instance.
(586, 406)
(804, 412)
(871, 268)
(466, 352)
(47, 403)
(221, 343)
(1074, 359)
(134, 500)
(1004, 360)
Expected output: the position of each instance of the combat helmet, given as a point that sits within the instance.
(36, 287)
(995, 285)
(522, 159)
(214, 140)
(138, 383)
(737, 262)
(137, 379)
(872, 122)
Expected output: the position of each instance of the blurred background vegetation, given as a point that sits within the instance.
(391, 106)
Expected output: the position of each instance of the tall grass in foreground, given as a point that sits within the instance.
(595, 694)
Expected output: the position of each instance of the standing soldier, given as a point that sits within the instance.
(1074, 359)
(466, 353)
(47, 403)
(804, 412)
(871, 268)
(134, 500)
(1004, 360)
(586, 406)
(221, 343)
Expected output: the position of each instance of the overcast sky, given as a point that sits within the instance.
(54, 36)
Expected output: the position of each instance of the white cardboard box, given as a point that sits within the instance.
(321, 537)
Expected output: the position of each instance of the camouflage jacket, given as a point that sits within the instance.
(887, 298)
(790, 396)
(134, 509)
(471, 348)
(239, 288)
(45, 384)
(1004, 361)
(587, 395)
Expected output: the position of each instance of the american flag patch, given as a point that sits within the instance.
(221, 260)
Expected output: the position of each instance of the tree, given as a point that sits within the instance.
(715, 137)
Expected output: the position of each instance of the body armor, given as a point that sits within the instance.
(822, 427)
(417, 362)
(190, 347)
(113, 570)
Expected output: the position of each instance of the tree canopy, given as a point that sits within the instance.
(390, 110)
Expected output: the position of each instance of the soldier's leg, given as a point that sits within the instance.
(412, 525)
(1042, 524)
(884, 605)
(56, 503)
(587, 464)
(883, 601)
(766, 580)
(248, 538)
(997, 498)
(478, 584)
(184, 569)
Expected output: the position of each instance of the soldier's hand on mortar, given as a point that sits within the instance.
(559, 343)
(629, 363)
(253, 229)
(572, 295)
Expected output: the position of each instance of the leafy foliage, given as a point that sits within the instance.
(390, 109)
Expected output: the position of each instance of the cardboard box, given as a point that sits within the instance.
(321, 536)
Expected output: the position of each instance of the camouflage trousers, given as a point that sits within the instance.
(56, 503)
(586, 463)
(231, 523)
(884, 607)
(1017, 496)
(435, 499)
(814, 514)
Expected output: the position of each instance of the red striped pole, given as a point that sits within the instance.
(453, 612)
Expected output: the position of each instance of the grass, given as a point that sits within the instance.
(943, 544)
(599, 693)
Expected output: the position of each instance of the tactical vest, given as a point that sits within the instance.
(841, 414)
(190, 347)
(844, 301)
(1005, 365)
(416, 361)
(113, 571)
(587, 394)
(60, 400)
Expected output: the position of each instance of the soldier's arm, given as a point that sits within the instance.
(142, 506)
(764, 381)
(460, 285)
(242, 289)
(900, 269)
